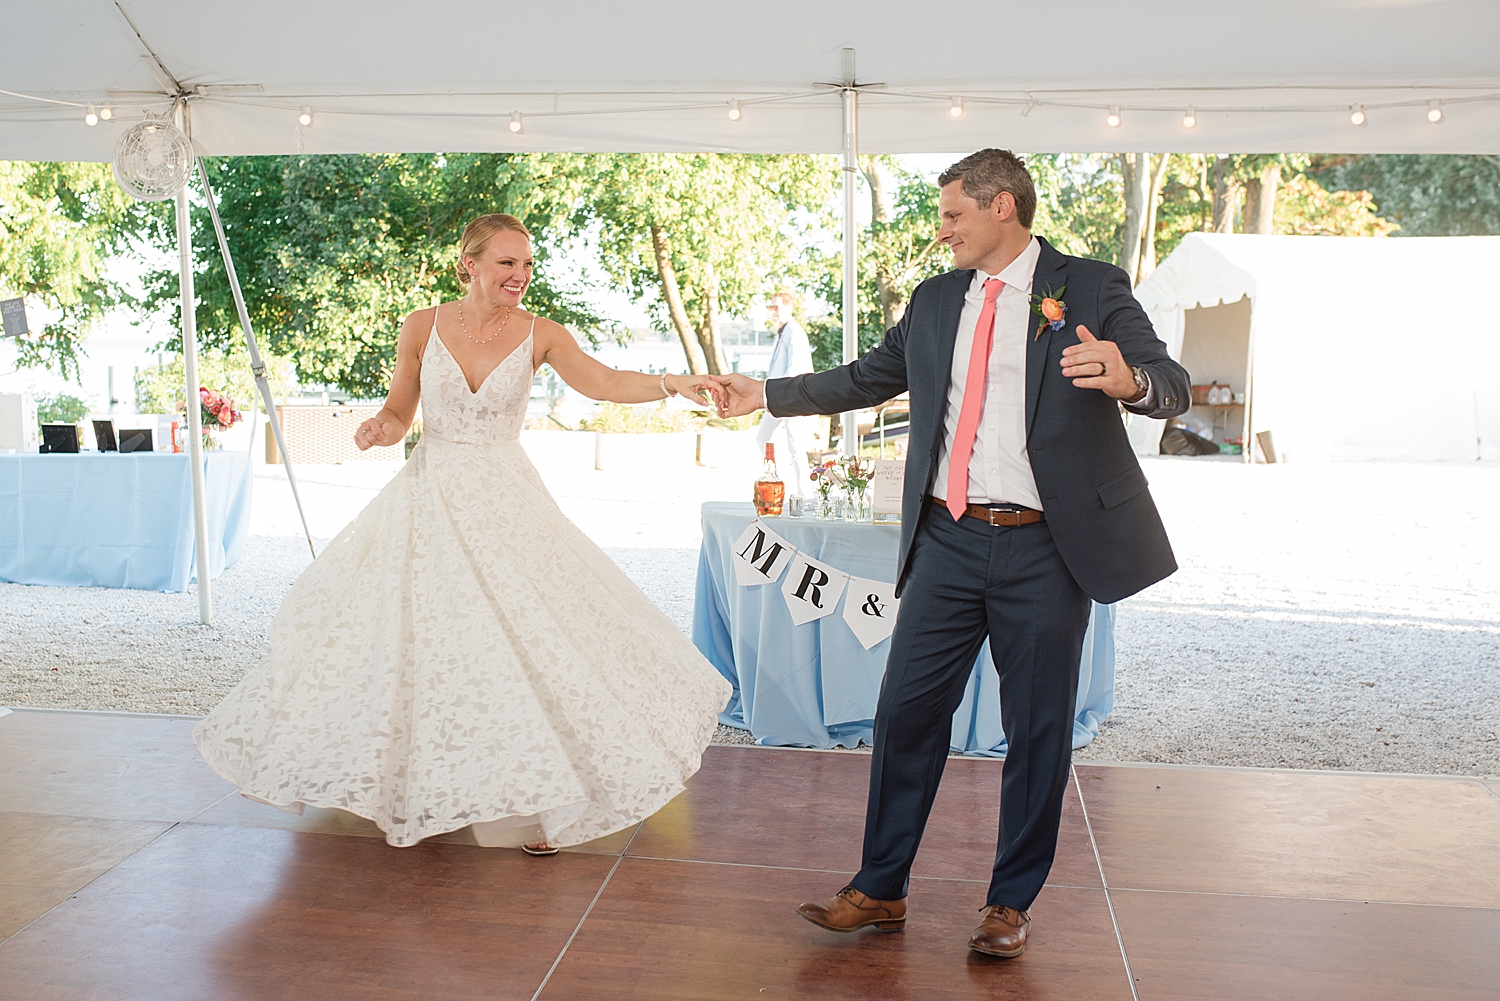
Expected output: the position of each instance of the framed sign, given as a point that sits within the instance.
(13, 315)
(890, 478)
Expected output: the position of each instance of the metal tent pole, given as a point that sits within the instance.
(257, 365)
(849, 421)
(194, 406)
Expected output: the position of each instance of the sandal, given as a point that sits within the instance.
(541, 849)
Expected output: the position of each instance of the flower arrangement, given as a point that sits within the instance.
(857, 475)
(825, 476)
(1051, 308)
(218, 409)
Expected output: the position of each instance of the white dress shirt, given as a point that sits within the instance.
(999, 466)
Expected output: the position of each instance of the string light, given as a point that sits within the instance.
(1435, 112)
(735, 113)
(1190, 118)
(516, 124)
(1113, 121)
(89, 117)
(956, 109)
(1357, 115)
(306, 117)
(106, 112)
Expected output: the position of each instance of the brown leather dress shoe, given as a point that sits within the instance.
(851, 910)
(1002, 932)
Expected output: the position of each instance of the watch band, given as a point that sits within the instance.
(1141, 383)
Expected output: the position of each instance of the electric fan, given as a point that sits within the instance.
(153, 160)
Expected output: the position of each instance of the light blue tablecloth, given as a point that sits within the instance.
(814, 685)
(117, 520)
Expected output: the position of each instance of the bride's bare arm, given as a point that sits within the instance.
(598, 381)
(390, 425)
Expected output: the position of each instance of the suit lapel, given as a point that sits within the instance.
(950, 308)
(1050, 273)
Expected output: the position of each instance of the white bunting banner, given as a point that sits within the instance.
(812, 589)
(760, 556)
(870, 610)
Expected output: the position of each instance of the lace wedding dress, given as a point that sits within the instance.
(463, 655)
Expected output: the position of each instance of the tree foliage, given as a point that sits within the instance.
(701, 235)
(59, 225)
(333, 251)
(1426, 194)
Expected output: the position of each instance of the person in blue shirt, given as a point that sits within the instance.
(792, 436)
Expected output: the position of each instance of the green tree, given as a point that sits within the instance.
(333, 251)
(700, 235)
(1426, 194)
(59, 225)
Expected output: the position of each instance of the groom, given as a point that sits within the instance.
(1023, 500)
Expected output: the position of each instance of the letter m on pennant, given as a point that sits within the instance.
(760, 556)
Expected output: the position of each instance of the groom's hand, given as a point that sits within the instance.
(740, 395)
(1082, 363)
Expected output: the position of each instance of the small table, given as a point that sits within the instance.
(117, 520)
(815, 685)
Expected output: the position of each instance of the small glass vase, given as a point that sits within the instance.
(211, 440)
(857, 506)
(823, 508)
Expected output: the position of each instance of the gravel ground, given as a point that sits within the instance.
(1332, 617)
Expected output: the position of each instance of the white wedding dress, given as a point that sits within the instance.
(463, 656)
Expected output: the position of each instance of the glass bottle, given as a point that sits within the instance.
(769, 490)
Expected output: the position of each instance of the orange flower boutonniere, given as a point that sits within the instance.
(1051, 308)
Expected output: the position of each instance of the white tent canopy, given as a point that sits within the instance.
(589, 75)
(1352, 348)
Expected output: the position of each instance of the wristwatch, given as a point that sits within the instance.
(1141, 383)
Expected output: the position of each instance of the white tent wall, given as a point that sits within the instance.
(1361, 348)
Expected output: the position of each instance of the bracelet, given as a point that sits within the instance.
(665, 392)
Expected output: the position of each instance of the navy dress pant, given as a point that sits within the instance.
(969, 580)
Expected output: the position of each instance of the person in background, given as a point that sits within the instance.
(792, 436)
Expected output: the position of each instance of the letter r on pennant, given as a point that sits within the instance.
(813, 585)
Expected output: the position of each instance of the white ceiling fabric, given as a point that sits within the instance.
(590, 75)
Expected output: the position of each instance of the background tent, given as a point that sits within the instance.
(1347, 348)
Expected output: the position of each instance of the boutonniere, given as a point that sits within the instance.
(1051, 308)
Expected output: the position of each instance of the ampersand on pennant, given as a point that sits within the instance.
(872, 605)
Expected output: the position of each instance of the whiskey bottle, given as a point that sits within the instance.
(769, 490)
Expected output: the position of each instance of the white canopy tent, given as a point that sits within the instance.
(1347, 348)
(279, 77)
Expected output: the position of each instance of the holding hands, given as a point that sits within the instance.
(702, 389)
(738, 395)
(1096, 364)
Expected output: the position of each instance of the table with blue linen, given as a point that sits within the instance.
(110, 519)
(815, 685)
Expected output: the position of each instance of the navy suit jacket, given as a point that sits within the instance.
(1102, 518)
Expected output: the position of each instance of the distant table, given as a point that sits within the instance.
(117, 520)
(814, 685)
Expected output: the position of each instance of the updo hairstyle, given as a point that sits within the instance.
(478, 233)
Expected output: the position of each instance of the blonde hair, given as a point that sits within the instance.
(478, 233)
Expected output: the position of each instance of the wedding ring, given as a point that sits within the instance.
(1102, 370)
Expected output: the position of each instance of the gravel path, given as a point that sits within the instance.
(1337, 617)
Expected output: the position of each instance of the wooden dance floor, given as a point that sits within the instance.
(129, 870)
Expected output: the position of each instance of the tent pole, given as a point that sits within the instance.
(257, 364)
(850, 421)
(194, 407)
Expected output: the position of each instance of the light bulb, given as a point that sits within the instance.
(1114, 116)
(1190, 118)
(106, 112)
(516, 125)
(1435, 111)
(306, 117)
(956, 109)
(1357, 115)
(89, 117)
(735, 113)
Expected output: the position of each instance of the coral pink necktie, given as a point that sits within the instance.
(968, 414)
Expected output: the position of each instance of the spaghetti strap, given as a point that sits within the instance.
(533, 325)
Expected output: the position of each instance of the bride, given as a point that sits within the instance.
(462, 655)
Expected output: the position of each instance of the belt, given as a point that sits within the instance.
(1000, 517)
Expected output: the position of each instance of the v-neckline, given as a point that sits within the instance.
(454, 358)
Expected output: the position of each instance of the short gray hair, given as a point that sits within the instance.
(990, 171)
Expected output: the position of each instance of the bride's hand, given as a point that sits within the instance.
(700, 388)
(374, 432)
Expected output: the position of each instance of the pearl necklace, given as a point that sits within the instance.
(470, 336)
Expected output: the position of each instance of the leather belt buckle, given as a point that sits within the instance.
(996, 517)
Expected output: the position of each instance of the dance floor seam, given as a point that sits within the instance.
(134, 872)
